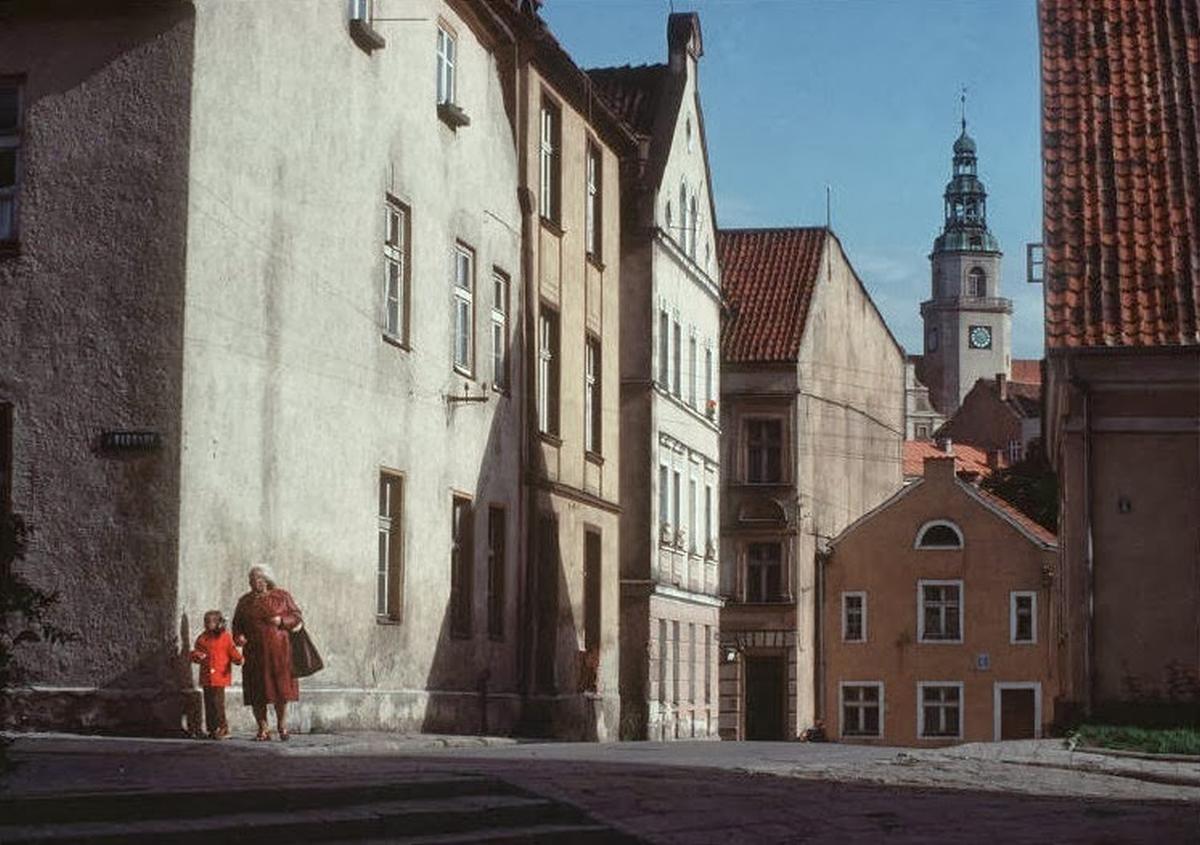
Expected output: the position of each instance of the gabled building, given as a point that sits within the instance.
(1120, 88)
(938, 619)
(970, 464)
(812, 413)
(669, 354)
(998, 416)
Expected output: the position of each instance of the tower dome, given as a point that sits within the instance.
(965, 228)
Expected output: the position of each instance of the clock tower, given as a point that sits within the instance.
(968, 325)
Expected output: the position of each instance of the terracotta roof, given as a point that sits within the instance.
(1024, 399)
(768, 277)
(1121, 171)
(967, 459)
(1027, 370)
(634, 93)
(1043, 534)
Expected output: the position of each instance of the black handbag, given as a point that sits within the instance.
(306, 660)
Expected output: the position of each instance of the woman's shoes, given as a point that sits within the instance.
(284, 736)
(263, 736)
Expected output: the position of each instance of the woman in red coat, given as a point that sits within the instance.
(261, 623)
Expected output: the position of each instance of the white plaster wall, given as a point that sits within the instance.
(293, 401)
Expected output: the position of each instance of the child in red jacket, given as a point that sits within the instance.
(215, 652)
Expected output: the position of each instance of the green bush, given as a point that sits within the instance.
(1148, 740)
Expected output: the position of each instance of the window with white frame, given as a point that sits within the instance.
(549, 158)
(708, 374)
(1015, 452)
(939, 611)
(462, 567)
(500, 303)
(592, 396)
(693, 370)
(594, 208)
(447, 52)
(976, 283)
(389, 579)
(940, 710)
(764, 450)
(1022, 617)
(464, 309)
(396, 263)
(548, 371)
(677, 502)
(708, 519)
(677, 361)
(683, 216)
(693, 524)
(939, 534)
(854, 617)
(693, 226)
(664, 496)
(664, 350)
(862, 708)
(10, 155)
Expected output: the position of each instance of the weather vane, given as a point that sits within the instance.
(962, 97)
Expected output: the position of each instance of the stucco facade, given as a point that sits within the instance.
(670, 331)
(933, 638)
(839, 410)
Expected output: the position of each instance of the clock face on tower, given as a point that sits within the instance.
(980, 337)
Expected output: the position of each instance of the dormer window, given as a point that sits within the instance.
(939, 534)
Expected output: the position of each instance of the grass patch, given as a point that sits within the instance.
(1148, 740)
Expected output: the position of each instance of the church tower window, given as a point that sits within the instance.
(976, 283)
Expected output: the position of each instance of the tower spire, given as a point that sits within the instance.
(962, 99)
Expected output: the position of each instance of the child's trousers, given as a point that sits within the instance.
(214, 710)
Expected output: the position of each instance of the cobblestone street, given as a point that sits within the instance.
(669, 793)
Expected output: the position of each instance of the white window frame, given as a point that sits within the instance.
(694, 373)
(664, 350)
(862, 596)
(693, 512)
(389, 535)
(501, 302)
(676, 499)
(11, 140)
(592, 405)
(447, 56)
(1015, 450)
(708, 518)
(962, 709)
(934, 523)
(664, 498)
(708, 374)
(842, 685)
(694, 215)
(1012, 616)
(677, 359)
(1000, 686)
(548, 161)
(594, 207)
(548, 377)
(922, 583)
(464, 304)
(396, 258)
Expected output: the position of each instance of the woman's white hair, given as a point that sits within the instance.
(265, 571)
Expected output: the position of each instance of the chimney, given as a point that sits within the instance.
(1002, 386)
(945, 444)
(683, 39)
(940, 468)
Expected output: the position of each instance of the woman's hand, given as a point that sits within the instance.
(277, 621)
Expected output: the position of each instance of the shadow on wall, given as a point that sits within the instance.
(105, 520)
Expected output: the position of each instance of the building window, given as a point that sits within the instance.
(1022, 617)
(664, 499)
(708, 664)
(662, 663)
(592, 594)
(939, 534)
(922, 432)
(592, 396)
(595, 207)
(939, 611)
(862, 709)
(497, 571)
(548, 371)
(389, 586)
(931, 340)
(708, 375)
(462, 593)
(396, 263)
(764, 451)
(10, 156)
(500, 305)
(940, 710)
(550, 160)
(677, 360)
(693, 524)
(687, 128)
(683, 216)
(693, 371)
(676, 503)
(708, 521)
(664, 350)
(447, 49)
(976, 283)
(464, 309)
(1015, 451)
(854, 617)
(693, 227)
(675, 663)
(692, 667)
(764, 572)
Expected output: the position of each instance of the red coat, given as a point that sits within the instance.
(216, 655)
(268, 676)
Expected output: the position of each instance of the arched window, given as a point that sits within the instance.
(683, 215)
(976, 283)
(939, 534)
(694, 225)
(688, 131)
(668, 216)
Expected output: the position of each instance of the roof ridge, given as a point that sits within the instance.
(742, 229)
(626, 66)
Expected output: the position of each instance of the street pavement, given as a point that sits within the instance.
(687, 792)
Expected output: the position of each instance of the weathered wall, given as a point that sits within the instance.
(294, 401)
(90, 341)
(878, 557)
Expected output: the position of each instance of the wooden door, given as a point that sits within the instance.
(766, 698)
(1018, 719)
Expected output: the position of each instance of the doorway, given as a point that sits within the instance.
(1018, 709)
(766, 698)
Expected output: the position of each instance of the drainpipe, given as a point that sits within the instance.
(1089, 628)
(822, 559)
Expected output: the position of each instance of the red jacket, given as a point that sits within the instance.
(216, 653)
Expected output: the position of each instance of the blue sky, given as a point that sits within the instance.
(862, 95)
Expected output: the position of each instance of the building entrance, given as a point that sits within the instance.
(766, 698)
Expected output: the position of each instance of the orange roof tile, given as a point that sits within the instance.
(1027, 370)
(967, 459)
(768, 277)
(1121, 171)
(1034, 528)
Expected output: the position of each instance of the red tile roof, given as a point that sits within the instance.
(1121, 174)
(967, 459)
(1034, 528)
(1027, 370)
(768, 277)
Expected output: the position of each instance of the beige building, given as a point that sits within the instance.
(938, 619)
(569, 146)
(812, 408)
(670, 331)
(1122, 392)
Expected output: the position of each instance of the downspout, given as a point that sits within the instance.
(823, 556)
(1089, 627)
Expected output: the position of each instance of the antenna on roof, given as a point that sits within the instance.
(962, 98)
(828, 207)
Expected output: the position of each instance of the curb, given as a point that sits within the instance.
(1139, 755)
(1129, 774)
